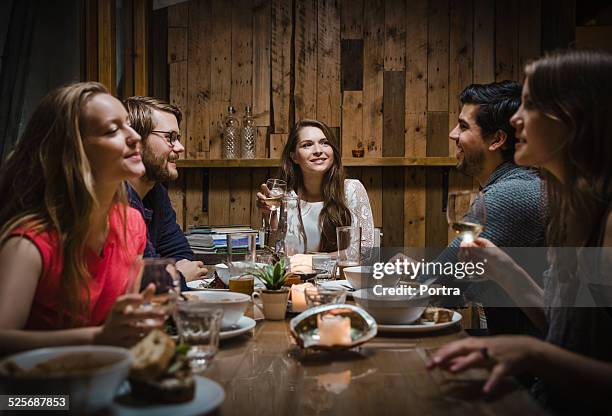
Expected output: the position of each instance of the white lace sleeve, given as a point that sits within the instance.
(359, 204)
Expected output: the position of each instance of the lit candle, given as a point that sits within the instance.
(298, 297)
(334, 330)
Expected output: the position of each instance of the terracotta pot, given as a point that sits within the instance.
(273, 303)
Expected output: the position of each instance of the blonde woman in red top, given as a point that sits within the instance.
(68, 239)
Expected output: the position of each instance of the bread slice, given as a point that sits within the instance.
(152, 356)
(437, 315)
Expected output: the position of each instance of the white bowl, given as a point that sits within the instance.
(361, 277)
(89, 390)
(233, 304)
(238, 268)
(391, 309)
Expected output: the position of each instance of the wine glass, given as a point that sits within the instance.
(277, 188)
(466, 214)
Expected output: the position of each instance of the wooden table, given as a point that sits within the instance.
(265, 373)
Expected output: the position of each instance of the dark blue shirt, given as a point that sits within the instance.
(164, 237)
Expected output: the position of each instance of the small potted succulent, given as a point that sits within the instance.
(275, 296)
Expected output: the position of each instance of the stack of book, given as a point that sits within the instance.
(212, 239)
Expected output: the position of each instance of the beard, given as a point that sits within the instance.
(157, 167)
(472, 163)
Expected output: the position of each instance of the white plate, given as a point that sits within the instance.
(195, 284)
(336, 284)
(420, 327)
(208, 396)
(244, 324)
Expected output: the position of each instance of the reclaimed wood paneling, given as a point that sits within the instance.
(506, 40)
(328, 62)
(437, 60)
(221, 73)
(352, 118)
(242, 55)
(372, 181)
(394, 113)
(416, 78)
(395, 35)
(393, 207)
(305, 95)
(373, 66)
(261, 143)
(107, 59)
(176, 193)
(414, 207)
(141, 55)
(437, 133)
(352, 64)
(277, 144)
(240, 198)
(194, 185)
(198, 80)
(461, 59)
(351, 15)
(484, 41)
(262, 13)
(530, 29)
(281, 64)
(219, 196)
(386, 73)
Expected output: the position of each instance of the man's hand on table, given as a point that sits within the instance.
(192, 270)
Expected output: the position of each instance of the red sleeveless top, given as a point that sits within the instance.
(109, 271)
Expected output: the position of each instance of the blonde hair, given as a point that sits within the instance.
(51, 184)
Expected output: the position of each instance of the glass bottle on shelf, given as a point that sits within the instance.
(290, 225)
(248, 134)
(231, 135)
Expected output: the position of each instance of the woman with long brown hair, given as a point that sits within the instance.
(311, 164)
(564, 126)
(67, 237)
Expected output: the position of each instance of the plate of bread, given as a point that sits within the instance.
(161, 382)
(432, 319)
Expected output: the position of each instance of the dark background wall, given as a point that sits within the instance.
(40, 43)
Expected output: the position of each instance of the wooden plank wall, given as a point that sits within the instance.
(385, 74)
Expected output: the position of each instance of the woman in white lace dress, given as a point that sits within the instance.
(312, 167)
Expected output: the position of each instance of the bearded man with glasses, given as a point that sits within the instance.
(157, 122)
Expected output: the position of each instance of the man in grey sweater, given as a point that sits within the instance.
(514, 200)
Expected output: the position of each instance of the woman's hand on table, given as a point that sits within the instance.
(127, 323)
(503, 356)
(191, 270)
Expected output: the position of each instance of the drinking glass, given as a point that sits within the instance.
(277, 189)
(326, 265)
(163, 274)
(242, 241)
(349, 247)
(198, 325)
(466, 214)
(316, 296)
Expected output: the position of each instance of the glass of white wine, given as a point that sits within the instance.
(466, 214)
(277, 188)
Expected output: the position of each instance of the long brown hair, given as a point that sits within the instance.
(575, 87)
(335, 213)
(51, 186)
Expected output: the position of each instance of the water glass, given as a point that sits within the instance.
(242, 241)
(349, 247)
(326, 265)
(163, 274)
(198, 325)
(316, 296)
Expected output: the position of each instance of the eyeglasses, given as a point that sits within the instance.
(171, 136)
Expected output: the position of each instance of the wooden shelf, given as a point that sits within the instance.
(349, 161)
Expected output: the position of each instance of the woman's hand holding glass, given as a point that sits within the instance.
(269, 201)
(128, 322)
